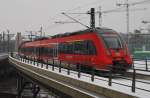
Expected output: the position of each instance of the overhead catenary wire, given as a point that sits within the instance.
(78, 16)
(57, 24)
(140, 2)
(65, 21)
(75, 20)
(72, 9)
(108, 11)
(83, 6)
(123, 10)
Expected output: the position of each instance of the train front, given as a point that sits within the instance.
(117, 56)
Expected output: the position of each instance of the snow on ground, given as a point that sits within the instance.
(141, 72)
(103, 82)
(141, 64)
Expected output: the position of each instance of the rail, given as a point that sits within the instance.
(110, 79)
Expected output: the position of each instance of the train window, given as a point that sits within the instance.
(70, 48)
(42, 50)
(46, 51)
(50, 51)
(38, 51)
(80, 47)
(30, 50)
(25, 49)
(34, 50)
(62, 48)
(112, 40)
(91, 48)
(65, 48)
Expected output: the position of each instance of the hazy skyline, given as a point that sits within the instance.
(25, 15)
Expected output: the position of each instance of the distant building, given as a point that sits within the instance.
(139, 43)
(18, 41)
(5, 44)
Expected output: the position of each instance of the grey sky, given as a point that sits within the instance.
(22, 15)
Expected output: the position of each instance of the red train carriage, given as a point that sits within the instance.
(97, 48)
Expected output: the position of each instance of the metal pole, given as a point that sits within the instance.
(41, 31)
(92, 18)
(11, 54)
(8, 40)
(79, 70)
(93, 73)
(53, 65)
(110, 77)
(28, 60)
(127, 19)
(133, 64)
(68, 72)
(100, 16)
(146, 64)
(4, 41)
(127, 16)
(133, 80)
(60, 66)
(34, 61)
(47, 64)
(31, 60)
(41, 64)
(37, 62)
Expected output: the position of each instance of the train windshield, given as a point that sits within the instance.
(112, 40)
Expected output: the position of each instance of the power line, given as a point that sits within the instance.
(83, 6)
(72, 9)
(75, 20)
(140, 2)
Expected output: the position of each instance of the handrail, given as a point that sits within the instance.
(144, 61)
(79, 73)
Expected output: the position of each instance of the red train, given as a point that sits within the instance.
(99, 48)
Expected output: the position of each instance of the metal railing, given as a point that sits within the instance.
(141, 64)
(91, 74)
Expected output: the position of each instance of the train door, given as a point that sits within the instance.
(55, 50)
(37, 52)
(90, 51)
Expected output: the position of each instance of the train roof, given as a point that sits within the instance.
(41, 38)
(96, 30)
(81, 32)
